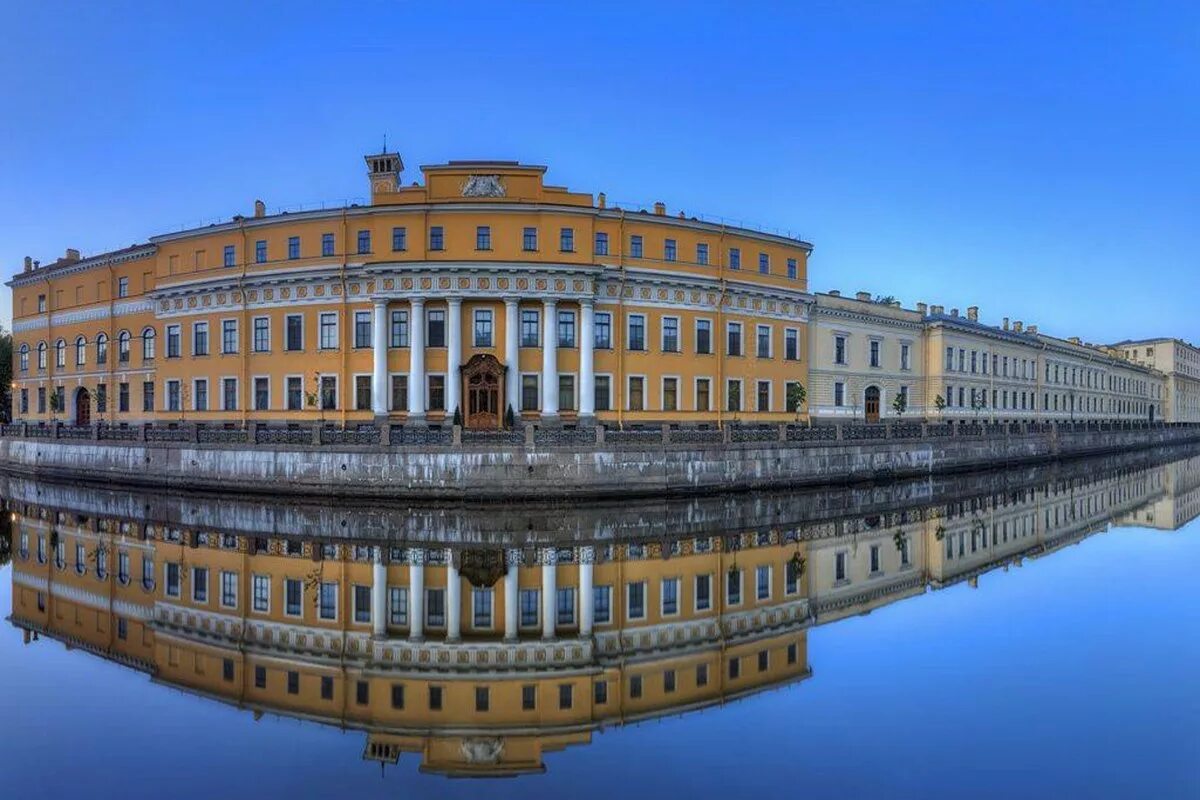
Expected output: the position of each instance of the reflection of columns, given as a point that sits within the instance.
(453, 354)
(549, 592)
(378, 594)
(550, 359)
(512, 378)
(416, 593)
(512, 559)
(587, 370)
(416, 360)
(379, 377)
(453, 599)
(586, 597)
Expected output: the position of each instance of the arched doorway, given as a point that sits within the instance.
(871, 404)
(83, 407)
(483, 381)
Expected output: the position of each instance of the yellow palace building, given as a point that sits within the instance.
(480, 289)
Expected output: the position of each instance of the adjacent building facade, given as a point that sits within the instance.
(1180, 362)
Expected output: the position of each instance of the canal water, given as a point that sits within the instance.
(1027, 633)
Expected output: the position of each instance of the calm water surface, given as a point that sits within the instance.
(1063, 663)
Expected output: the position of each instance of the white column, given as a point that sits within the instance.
(586, 597)
(416, 364)
(416, 594)
(549, 359)
(378, 594)
(454, 356)
(512, 387)
(587, 369)
(453, 600)
(379, 377)
(511, 600)
(549, 593)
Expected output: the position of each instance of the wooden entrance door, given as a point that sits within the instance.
(83, 407)
(871, 403)
(483, 379)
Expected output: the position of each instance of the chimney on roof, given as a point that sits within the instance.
(260, 209)
(954, 313)
(72, 254)
(601, 201)
(1017, 326)
(660, 209)
(1072, 340)
(835, 293)
(937, 310)
(1005, 325)
(863, 296)
(1031, 329)
(922, 308)
(973, 313)
(28, 263)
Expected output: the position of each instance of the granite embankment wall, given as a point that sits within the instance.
(570, 465)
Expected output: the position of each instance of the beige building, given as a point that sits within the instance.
(1180, 362)
(863, 355)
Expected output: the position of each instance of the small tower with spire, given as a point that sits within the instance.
(383, 170)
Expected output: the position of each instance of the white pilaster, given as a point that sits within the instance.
(549, 358)
(587, 369)
(378, 594)
(454, 356)
(416, 368)
(453, 600)
(379, 377)
(512, 381)
(549, 593)
(587, 611)
(511, 599)
(416, 594)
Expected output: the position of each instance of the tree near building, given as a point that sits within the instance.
(6, 373)
(900, 403)
(978, 401)
(796, 397)
(939, 402)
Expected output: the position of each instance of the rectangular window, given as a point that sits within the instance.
(566, 240)
(636, 599)
(122, 291)
(529, 240)
(294, 333)
(637, 332)
(399, 239)
(529, 328)
(173, 343)
(293, 593)
(874, 353)
(670, 394)
(328, 331)
(764, 264)
(791, 344)
(733, 342)
(262, 334)
(362, 328)
(529, 606)
(762, 582)
(566, 328)
(839, 350)
(122, 398)
(435, 328)
(670, 334)
(566, 696)
(763, 341)
(437, 393)
(702, 254)
(483, 327)
(839, 566)
(229, 394)
(436, 238)
(635, 246)
(602, 604)
(669, 250)
(398, 606)
(200, 584)
(792, 269)
(399, 329)
(293, 247)
(173, 396)
(399, 393)
(435, 698)
(364, 242)
(735, 258)
(763, 395)
(362, 604)
(703, 394)
(260, 251)
(733, 587)
(295, 393)
(435, 607)
(229, 336)
(704, 336)
(147, 396)
(483, 237)
(260, 677)
(905, 357)
(326, 244)
(172, 587)
(200, 339)
(262, 394)
(670, 596)
(530, 398)
(603, 394)
(565, 605)
(703, 592)
(566, 392)
(327, 600)
(261, 593)
(637, 393)
(229, 589)
(602, 328)
(230, 259)
(601, 243)
(481, 608)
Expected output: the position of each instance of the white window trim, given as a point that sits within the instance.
(167, 584)
(596, 620)
(629, 392)
(519, 406)
(696, 333)
(337, 602)
(254, 576)
(354, 609)
(270, 393)
(595, 320)
(491, 626)
(195, 394)
(845, 348)
(662, 596)
(795, 332)
(221, 589)
(354, 378)
(354, 345)
(283, 598)
(741, 328)
(337, 330)
(337, 391)
(574, 390)
(741, 573)
(662, 392)
(696, 393)
(758, 328)
(629, 606)
(521, 312)
(741, 409)
(208, 583)
(770, 395)
(611, 405)
(302, 332)
(392, 375)
(195, 326)
(237, 391)
(846, 580)
(237, 337)
(662, 333)
(445, 390)
(696, 593)
(286, 378)
(537, 590)
(166, 396)
(629, 332)
(253, 323)
(770, 583)
(574, 327)
(903, 344)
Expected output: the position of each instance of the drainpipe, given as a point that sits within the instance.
(622, 333)
(346, 329)
(717, 344)
(245, 336)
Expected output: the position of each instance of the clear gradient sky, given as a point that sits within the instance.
(1041, 160)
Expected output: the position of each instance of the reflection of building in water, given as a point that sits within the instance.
(483, 658)
(1179, 503)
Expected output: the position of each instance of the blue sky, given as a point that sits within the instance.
(1036, 159)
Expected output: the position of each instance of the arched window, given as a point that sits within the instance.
(41, 355)
(24, 358)
(101, 348)
(123, 347)
(60, 353)
(80, 351)
(148, 344)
